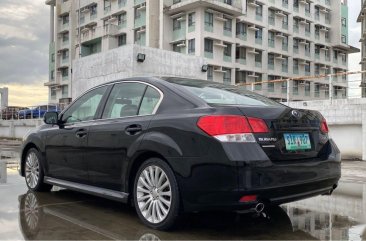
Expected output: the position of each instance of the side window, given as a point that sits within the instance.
(85, 107)
(149, 102)
(124, 100)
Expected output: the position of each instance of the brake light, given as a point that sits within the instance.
(232, 128)
(248, 198)
(324, 126)
(258, 125)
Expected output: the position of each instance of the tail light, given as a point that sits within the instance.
(232, 128)
(324, 126)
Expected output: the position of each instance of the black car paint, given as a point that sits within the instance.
(210, 174)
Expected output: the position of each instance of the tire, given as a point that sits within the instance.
(157, 208)
(31, 216)
(33, 172)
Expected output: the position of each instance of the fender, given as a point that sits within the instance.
(32, 140)
(161, 143)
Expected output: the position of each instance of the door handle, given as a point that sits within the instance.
(81, 133)
(133, 130)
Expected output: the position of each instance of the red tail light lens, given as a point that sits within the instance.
(232, 128)
(324, 126)
(248, 198)
(258, 125)
(224, 124)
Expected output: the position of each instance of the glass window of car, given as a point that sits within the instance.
(85, 107)
(219, 94)
(124, 100)
(149, 102)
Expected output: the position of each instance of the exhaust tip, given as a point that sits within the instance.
(259, 207)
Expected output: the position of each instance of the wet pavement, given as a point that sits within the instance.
(68, 215)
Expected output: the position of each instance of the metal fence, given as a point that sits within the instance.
(30, 112)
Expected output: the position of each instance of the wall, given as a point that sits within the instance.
(347, 122)
(121, 63)
(17, 128)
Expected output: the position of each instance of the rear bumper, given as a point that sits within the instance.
(220, 187)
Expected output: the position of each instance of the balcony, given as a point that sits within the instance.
(233, 7)
(228, 33)
(179, 34)
(258, 41)
(227, 58)
(242, 36)
(85, 3)
(271, 66)
(241, 61)
(91, 34)
(271, 43)
(272, 21)
(209, 55)
(208, 27)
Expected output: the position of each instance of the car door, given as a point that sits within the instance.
(113, 138)
(66, 144)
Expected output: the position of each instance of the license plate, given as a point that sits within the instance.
(297, 141)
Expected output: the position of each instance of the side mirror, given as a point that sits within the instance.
(51, 118)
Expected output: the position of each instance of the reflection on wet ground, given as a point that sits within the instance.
(65, 215)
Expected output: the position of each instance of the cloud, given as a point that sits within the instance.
(27, 94)
(24, 41)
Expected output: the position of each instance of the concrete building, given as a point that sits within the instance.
(242, 41)
(4, 97)
(362, 19)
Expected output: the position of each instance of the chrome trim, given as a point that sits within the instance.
(268, 146)
(114, 195)
(114, 83)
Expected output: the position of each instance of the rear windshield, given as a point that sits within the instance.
(220, 94)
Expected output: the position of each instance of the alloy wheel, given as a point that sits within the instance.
(32, 170)
(154, 194)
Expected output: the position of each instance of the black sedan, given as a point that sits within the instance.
(172, 145)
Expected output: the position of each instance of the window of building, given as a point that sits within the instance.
(65, 72)
(271, 39)
(241, 28)
(335, 54)
(93, 10)
(271, 59)
(308, 27)
(65, 19)
(344, 39)
(208, 45)
(317, 12)
(307, 68)
(296, 44)
(191, 46)
(228, 24)
(258, 57)
(259, 34)
(271, 17)
(285, 43)
(227, 76)
(176, 48)
(107, 5)
(307, 7)
(285, 64)
(122, 18)
(208, 19)
(296, 3)
(53, 93)
(344, 22)
(65, 37)
(285, 21)
(295, 87)
(192, 19)
(326, 35)
(227, 49)
(65, 54)
(52, 75)
(52, 57)
(137, 13)
(259, 10)
(210, 72)
(241, 53)
(122, 39)
(176, 24)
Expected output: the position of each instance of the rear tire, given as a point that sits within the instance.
(156, 194)
(33, 172)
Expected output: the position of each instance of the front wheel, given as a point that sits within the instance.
(156, 194)
(34, 172)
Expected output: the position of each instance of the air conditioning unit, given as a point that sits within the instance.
(142, 7)
(85, 10)
(252, 74)
(324, 67)
(252, 51)
(303, 62)
(303, 21)
(325, 29)
(303, 1)
(280, 57)
(279, 13)
(302, 82)
(304, 42)
(252, 3)
(324, 10)
(253, 27)
(182, 44)
(112, 19)
(280, 35)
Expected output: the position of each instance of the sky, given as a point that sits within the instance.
(24, 41)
